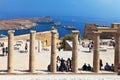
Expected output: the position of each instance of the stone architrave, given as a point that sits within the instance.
(117, 51)
(75, 51)
(32, 52)
(53, 51)
(11, 51)
(96, 59)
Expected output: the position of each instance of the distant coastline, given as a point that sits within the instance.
(27, 23)
(23, 23)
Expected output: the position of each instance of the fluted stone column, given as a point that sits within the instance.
(32, 51)
(39, 46)
(53, 51)
(96, 59)
(117, 51)
(75, 51)
(11, 51)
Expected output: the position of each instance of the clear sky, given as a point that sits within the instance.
(85, 8)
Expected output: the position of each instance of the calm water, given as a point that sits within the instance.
(78, 22)
(40, 28)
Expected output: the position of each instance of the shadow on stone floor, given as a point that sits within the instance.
(22, 70)
(86, 51)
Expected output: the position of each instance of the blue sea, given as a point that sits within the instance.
(76, 21)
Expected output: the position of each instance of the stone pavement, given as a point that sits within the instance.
(60, 77)
(21, 64)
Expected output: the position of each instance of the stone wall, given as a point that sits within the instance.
(45, 38)
(89, 28)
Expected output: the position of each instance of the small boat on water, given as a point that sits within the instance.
(69, 27)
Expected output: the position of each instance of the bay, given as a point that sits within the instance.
(77, 21)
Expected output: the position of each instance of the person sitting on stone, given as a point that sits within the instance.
(58, 63)
(71, 63)
(84, 67)
(101, 64)
(107, 67)
(68, 64)
(48, 68)
(112, 67)
(89, 68)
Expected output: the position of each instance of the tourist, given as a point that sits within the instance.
(62, 65)
(6, 49)
(48, 68)
(2, 45)
(58, 58)
(107, 67)
(112, 67)
(89, 68)
(26, 47)
(83, 44)
(90, 46)
(3, 51)
(68, 64)
(71, 63)
(113, 44)
(79, 40)
(84, 67)
(101, 64)
(58, 63)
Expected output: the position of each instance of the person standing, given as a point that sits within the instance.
(3, 51)
(26, 48)
(90, 46)
(6, 49)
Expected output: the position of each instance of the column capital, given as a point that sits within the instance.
(11, 31)
(32, 31)
(54, 31)
(75, 31)
(95, 32)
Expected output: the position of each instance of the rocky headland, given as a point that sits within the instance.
(26, 23)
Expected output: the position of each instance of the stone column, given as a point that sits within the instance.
(96, 59)
(75, 51)
(11, 51)
(117, 51)
(32, 51)
(39, 46)
(53, 51)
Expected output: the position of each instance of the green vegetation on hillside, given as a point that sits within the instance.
(67, 37)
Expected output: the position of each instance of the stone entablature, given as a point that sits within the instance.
(44, 37)
(89, 28)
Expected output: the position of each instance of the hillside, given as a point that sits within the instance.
(26, 23)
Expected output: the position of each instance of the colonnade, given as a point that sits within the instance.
(11, 51)
(96, 65)
(96, 54)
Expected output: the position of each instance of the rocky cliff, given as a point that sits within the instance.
(26, 23)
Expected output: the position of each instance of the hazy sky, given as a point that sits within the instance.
(85, 8)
